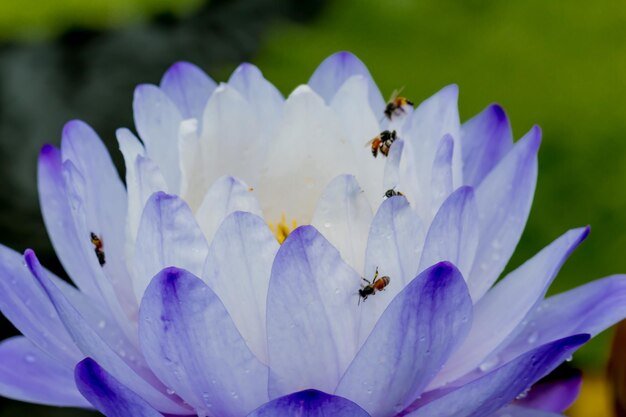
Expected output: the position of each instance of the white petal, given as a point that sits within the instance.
(343, 216)
(360, 125)
(226, 195)
(157, 120)
(309, 150)
(264, 98)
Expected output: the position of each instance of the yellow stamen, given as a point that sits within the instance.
(281, 230)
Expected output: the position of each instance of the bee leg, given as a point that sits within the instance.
(366, 280)
(376, 274)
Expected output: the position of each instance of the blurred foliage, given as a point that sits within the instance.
(46, 18)
(561, 65)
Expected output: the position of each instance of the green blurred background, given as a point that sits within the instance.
(561, 65)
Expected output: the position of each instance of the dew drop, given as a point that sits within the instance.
(533, 338)
(569, 358)
(523, 394)
(170, 391)
(102, 324)
(29, 358)
(489, 364)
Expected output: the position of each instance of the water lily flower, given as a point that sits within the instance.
(235, 272)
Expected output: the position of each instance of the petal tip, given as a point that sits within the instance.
(443, 269)
(498, 112)
(32, 263)
(47, 150)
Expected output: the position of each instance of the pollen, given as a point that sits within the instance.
(282, 229)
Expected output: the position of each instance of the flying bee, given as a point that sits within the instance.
(377, 284)
(395, 105)
(382, 142)
(392, 193)
(98, 248)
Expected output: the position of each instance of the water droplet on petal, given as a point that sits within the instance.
(489, 364)
(29, 358)
(523, 394)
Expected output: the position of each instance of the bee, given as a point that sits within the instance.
(392, 193)
(377, 284)
(98, 248)
(382, 142)
(395, 105)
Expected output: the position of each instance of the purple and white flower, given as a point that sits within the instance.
(223, 279)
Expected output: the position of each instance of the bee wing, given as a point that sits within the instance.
(369, 142)
(396, 93)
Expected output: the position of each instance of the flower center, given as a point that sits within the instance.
(281, 230)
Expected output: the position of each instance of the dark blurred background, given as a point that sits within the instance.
(561, 65)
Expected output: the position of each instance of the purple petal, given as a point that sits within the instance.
(499, 313)
(110, 275)
(311, 314)
(502, 385)
(431, 121)
(238, 269)
(441, 181)
(590, 308)
(517, 411)
(504, 199)
(226, 195)
(60, 224)
(124, 363)
(98, 203)
(264, 98)
(168, 236)
(24, 303)
(309, 403)
(107, 394)
(553, 393)
(158, 122)
(410, 342)
(189, 88)
(394, 246)
(191, 343)
(343, 215)
(453, 234)
(29, 374)
(106, 203)
(486, 138)
(335, 70)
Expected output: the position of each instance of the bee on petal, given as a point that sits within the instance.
(382, 142)
(98, 248)
(392, 193)
(395, 105)
(377, 284)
